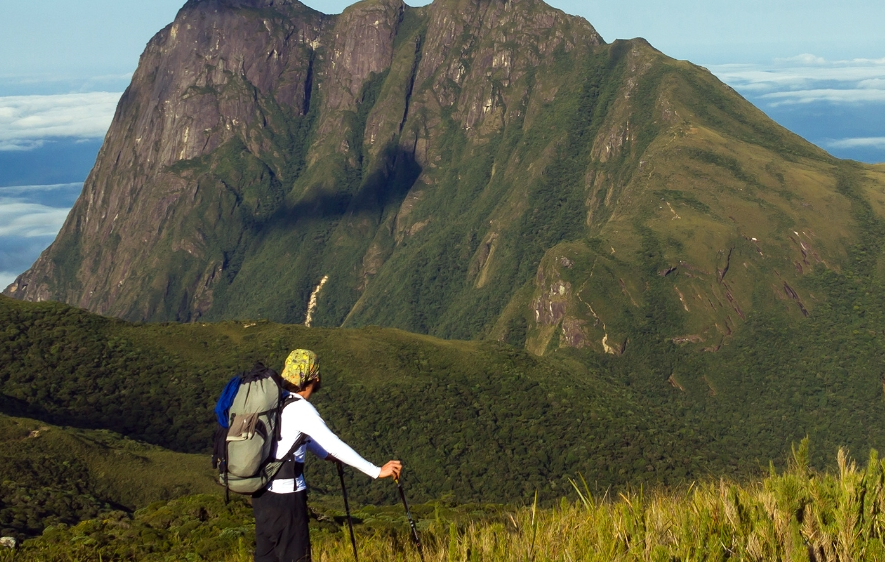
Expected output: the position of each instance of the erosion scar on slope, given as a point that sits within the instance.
(312, 303)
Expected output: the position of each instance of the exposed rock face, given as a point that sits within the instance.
(201, 82)
(441, 166)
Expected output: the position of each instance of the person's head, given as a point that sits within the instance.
(302, 368)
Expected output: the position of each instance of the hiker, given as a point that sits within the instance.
(281, 517)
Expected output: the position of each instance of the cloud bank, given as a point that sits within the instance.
(17, 254)
(831, 95)
(836, 104)
(30, 218)
(27, 121)
(808, 78)
(863, 142)
(31, 190)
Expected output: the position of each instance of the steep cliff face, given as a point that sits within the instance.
(472, 168)
(224, 76)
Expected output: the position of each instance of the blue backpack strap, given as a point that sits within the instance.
(222, 408)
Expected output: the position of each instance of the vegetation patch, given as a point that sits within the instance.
(797, 514)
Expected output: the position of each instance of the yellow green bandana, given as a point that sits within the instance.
(302, 366)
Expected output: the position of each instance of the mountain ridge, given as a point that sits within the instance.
(435, 164)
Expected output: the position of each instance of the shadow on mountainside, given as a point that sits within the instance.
(16, 407)
(361, 197)
(359, 201)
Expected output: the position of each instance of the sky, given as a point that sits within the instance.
(816, 67)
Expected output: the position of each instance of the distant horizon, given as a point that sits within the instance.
(818, 71)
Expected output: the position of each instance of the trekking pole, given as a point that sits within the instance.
(347, 509)
(402, 496)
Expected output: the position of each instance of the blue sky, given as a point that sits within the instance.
(816, 67)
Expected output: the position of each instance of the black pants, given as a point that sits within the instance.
(281, 531)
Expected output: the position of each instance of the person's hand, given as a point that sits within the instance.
(392, 468)
(330, 458)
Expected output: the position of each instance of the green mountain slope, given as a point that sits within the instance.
(479, 420)
(471, 421)
(468, 170)
(54, 475)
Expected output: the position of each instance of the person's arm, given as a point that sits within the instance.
(313, 425)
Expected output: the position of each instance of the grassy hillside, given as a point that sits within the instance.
(796, 515)
(462, 414)
(784, 374)
(53, 475)
(471, 421)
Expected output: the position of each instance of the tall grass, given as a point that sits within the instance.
(796, 515)
(799, 514)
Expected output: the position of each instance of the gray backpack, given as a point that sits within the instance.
(244, 449)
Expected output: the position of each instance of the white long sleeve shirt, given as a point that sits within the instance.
(301, 417)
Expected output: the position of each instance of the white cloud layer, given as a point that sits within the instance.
(863, 142)
(25, 219)
(31, 189)
(808, 78)
(26, 120)
(806, 58)
(826, 95)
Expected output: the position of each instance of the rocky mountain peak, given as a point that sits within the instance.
(468, 169)
(243, 3)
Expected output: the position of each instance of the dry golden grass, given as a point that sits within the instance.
(799, 515)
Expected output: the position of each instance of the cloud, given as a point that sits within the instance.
(18, 254)
(869, 61)
(805, 58)
(807, 79)
(874, 83)
(30, 189)
(20, 145)
(863, 142)
(778, 77)
(26, 120)
(28, 220)
(836, 104)
(826, 95)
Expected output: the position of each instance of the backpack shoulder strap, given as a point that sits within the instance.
(291, 399)
(298, 442)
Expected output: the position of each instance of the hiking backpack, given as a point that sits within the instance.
(248, 413)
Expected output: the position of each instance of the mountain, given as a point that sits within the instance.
(469, 169)
(472, 421)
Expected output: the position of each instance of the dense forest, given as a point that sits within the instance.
(475, 421)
